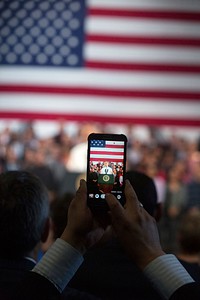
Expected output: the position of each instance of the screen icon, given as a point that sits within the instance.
(103, 196)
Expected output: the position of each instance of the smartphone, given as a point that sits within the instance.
(106, 168)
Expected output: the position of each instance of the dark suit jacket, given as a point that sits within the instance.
(35, 287)
(111, 275)
(189, 291)
(12, 272)
(18, 283)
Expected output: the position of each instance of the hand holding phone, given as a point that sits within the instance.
(106, 166)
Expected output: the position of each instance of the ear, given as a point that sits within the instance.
(46, 230)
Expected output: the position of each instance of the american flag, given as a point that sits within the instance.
(111, 151)
(111, 61)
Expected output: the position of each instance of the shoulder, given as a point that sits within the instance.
(188, 291)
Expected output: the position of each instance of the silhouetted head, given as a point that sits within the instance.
(145, 190)
(58, 212)
(24, 210)
(189, 233)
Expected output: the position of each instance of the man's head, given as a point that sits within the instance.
(58, 212)
(189, 233)
(24, 210)
(145, 189)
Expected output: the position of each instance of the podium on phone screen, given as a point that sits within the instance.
(106, 182)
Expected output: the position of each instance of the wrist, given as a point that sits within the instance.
(74, 240)
(145, 260)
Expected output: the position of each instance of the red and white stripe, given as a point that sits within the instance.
(142, 66)
(113, 152)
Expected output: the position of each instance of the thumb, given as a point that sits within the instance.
(116, 209)
(81, 193)
(131, 197)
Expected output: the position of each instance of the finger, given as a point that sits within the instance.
(116, 209)
(107, 235)
(83, 186)
(81, 194)
(131, 197)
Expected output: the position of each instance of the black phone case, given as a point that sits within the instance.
(99, 204)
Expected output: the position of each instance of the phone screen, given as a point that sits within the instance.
(106, 168)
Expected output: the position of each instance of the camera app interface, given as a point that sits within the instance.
(106, 168)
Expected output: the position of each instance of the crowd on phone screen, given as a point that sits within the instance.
(114, 168)
(173, 163)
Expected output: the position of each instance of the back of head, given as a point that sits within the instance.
(145, 190)
(24, 209)
(189, 233)
(58, 212)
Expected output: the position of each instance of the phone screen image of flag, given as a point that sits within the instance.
(111, 151)
(71, 59)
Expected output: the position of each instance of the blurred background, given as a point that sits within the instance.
(69, 68)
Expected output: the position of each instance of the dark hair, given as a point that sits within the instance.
(58, 212)
(145, 189)
(189, 232)
(24, 209)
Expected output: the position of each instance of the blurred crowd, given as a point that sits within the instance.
(60, 161)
